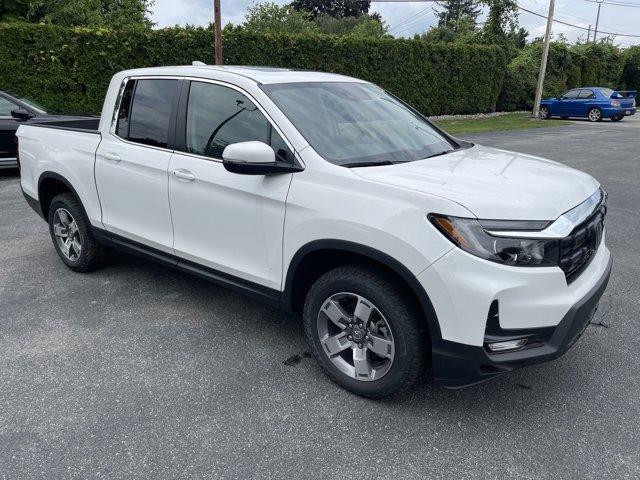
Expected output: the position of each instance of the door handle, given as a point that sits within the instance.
(114, 157)
(184, 174)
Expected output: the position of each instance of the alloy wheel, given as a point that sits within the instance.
(67, 234)
(544, 113)
(594, 114)
(355, 337)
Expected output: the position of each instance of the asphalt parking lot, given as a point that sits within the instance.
(138, 371)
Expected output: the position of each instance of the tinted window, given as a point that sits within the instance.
(571, 94)
(151, 112)
(586, 94)
(6, 106)
(607, 92)
(35, 107)
(218, 116)
(122, 127)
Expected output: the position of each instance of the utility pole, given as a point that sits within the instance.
(589, 34)
(543, 63)
(595, 32)
(217, 19)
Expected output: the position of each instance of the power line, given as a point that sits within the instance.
(616, 3)
(577, 26)
(414, 23)
(403, 22)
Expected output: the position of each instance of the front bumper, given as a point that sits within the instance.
(457, 365)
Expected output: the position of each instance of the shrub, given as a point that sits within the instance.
(631, 71)
(580, 65)
(69, 69)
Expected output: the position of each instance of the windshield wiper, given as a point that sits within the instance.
(373, 164)
(439, 154)
(368, 164)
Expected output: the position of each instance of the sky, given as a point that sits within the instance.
(406, 19)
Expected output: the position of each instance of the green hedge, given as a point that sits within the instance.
(568, 67)
(69, 69)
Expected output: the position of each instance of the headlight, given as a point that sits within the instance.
(470, 236)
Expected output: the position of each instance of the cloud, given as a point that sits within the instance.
(407, 19)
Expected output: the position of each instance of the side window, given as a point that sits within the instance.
(571, 94)
(6, 106)
(218, 116)
(586, 94)
(150, 112)
(122, 125)
(279, 146)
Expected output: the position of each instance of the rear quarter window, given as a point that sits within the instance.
(145, 111)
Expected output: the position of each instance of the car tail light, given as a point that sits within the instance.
(615, 103)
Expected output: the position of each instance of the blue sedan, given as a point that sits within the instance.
(594, 103)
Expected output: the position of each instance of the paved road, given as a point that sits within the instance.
(138, 371)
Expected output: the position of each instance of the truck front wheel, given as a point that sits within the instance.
(72, 239)
(365, 331)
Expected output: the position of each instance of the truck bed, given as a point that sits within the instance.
(86, 125)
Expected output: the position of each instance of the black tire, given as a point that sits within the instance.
(545, 112)
(617, 118)
(401, 314)
(92, 254)
(594, 115)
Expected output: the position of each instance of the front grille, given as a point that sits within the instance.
(577, 250)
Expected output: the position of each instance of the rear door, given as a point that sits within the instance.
(585, 99)
(8, 127)
(228, 222)
(132, 163)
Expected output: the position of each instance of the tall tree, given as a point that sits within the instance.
(450, 13)
(89, 13)
(272, 18)
(502, 26)
(501, 20)
(334, 8)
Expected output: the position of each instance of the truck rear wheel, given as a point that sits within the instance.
(364, 331)
(72, 239)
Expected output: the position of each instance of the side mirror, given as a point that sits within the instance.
(254, 158)
(22, 114)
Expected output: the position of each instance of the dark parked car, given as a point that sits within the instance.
(15, 111)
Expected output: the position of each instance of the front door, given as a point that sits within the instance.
(132, 164)
(566, 106)
(228, 222)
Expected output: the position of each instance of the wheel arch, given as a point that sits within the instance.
(318, 257)
(51, 184)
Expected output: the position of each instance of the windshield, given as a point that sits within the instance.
(607, 92)
(33, 105)
(354, 124)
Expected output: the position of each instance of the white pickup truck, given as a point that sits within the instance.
(400, 246)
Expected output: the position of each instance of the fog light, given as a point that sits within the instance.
(510, 345)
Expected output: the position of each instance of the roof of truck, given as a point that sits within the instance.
(263, 75)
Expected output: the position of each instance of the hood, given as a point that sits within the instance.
(492, 184)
